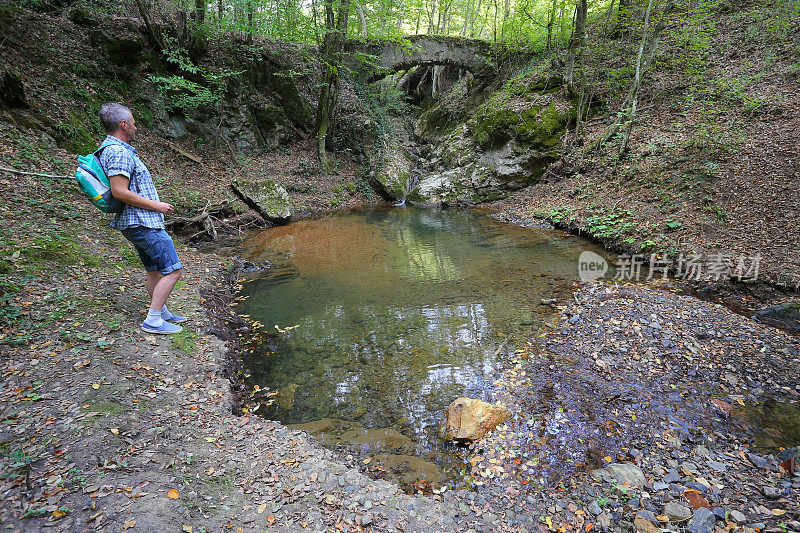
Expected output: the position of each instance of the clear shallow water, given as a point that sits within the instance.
(394, 313)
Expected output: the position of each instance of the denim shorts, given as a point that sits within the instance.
(155, 248)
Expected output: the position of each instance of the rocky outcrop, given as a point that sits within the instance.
(392, 166)
(469, 419)
(265, 196)
(507, 144)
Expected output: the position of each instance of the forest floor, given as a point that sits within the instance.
(107, 428)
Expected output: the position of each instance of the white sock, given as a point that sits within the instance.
(154, 318)
(164, 311)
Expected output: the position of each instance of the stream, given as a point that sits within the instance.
(380, 317)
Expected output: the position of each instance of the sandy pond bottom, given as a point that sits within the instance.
(379, 318)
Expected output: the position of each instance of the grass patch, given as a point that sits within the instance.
(185, 341)
(59, 247)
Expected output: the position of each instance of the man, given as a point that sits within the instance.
(142, 219)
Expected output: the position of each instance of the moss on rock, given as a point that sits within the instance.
(542, 128)
(539, 127)
(265, 196)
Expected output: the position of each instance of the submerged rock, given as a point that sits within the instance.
(374, 439)
(265, 196)
(786, 312)
(408, 469)
(285, 397)
(469, 419)
(324, 430)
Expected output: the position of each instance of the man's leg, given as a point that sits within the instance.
(152, 280)
(162, 288)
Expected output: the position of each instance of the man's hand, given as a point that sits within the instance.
(119, 188)
(164, 208)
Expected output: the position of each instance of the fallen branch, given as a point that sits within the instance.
(185, 154)
(15, 171)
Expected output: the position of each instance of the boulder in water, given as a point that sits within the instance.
(469, 419)
(285, 397)
(786, 313)
(265, 196)
(378, 439)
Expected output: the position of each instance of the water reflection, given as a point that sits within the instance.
(398, 312)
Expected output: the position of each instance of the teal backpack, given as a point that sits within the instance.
(94, 183)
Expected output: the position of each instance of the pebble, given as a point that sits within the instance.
(594, 508)
(771, 493)
(703, 518)
(738, 517)
(677, 511)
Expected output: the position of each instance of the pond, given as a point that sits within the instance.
(380, 317)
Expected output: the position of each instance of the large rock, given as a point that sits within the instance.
(627, 473)
(504, 145)
(392, 165)
(469, 419)
(265, 196)
(785, 314)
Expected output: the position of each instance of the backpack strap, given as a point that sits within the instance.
(103, 147)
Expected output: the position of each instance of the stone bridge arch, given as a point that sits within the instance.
(472, 55)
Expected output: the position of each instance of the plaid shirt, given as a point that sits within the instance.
(122, 158)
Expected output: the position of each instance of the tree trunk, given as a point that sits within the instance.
(506, 13)
(199, 11)
(335, 34)
(362, 21)
(250, 21)
(623, 20)
(152, 34)
(637, 81)
(550, 21)
(645, 56)
(576, 41)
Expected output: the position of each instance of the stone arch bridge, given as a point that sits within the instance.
(374, 59)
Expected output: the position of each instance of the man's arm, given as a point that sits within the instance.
(119, 188)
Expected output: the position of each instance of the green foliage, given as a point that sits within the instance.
(73, 135)
(610, 225)
(695, 36)
(561, 215)
(183, 93)
(9, 313)
(60, 247)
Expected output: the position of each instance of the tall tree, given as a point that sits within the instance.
(331, 54)
(647, 48)
(576, 41)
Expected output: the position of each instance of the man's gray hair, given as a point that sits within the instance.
(111, 114)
